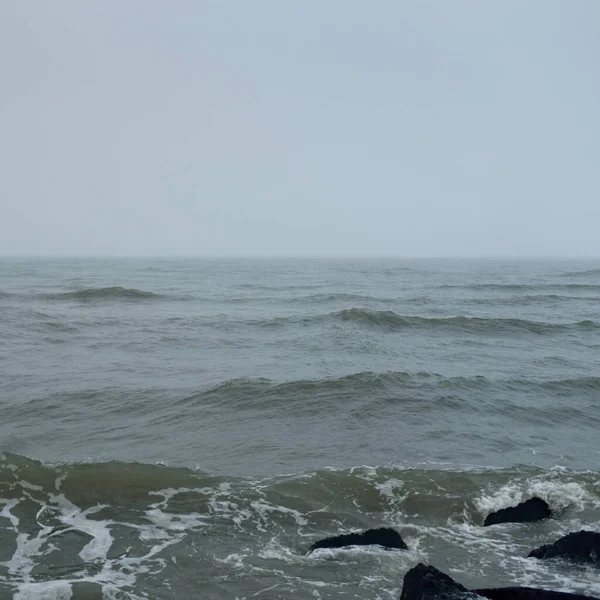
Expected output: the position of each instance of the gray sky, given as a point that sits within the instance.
(305, 127)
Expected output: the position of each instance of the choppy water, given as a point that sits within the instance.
(200, 423)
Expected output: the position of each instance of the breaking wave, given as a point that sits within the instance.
(113, 529)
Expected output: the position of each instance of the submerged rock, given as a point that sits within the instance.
(428, 583)
(384, 536)
(534, 509)
(582, 547)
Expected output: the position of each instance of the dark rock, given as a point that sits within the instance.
(427, 583)
(527, 593)
(384, 536)
(534, 509)
(581, 547)
(540, 552)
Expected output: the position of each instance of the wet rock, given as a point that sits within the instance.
(582, 547)
(534, 509)
(428, 583)
(527, 593)
(425, 582)
(384, 536)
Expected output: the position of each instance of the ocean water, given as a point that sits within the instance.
(188, 428)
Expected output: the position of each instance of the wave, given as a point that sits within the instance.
(427, 390)
(280, 288)
(335, 297)
(528, 299)
(584, 273)
(322, 298)
(392, 321)
(108, 525)
(480, 488)
(104, 293)
(520, 287)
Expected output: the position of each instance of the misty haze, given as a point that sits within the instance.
(300, 128)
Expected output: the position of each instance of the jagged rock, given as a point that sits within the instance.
(534, 509)
(384, 536)
(428, 583)
(581, 547)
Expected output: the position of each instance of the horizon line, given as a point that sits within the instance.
(297, 257)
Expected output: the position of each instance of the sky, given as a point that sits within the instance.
(300, 128)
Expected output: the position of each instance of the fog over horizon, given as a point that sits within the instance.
(306, 129)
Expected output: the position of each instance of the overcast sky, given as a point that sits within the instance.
(300, 127)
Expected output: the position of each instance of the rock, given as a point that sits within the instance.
(384, 536)
(534, 509)
(425, 582)
(527, 593)
(581, 547)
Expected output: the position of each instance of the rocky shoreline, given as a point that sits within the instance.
(425, 582)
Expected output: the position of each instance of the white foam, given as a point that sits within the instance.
(538, 573)
(22, 561)
(266, 589)
(508, 495)
(30, 486)
(275, 550)
(262, 507)
(168, 521)
(111, 592)
(115, 574)
(235, 560)
(59, 480)
(219, 504)
(51, 590)
(71, 515)
(5, 512)
(389, 488)
(167, 494)
(163, 521)
(558, 494)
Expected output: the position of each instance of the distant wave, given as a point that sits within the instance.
(279, 288)
(58, 327)
(105, 293)
(321, 298)
(335, 297)
(528, 299)
(522, 287)
(585, 273)
(567, 386)
(392, 321)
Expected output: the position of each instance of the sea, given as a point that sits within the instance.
(187, 428)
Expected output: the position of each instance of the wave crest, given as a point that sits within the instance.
(584, 273)
(105, 293)
(390, 320)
